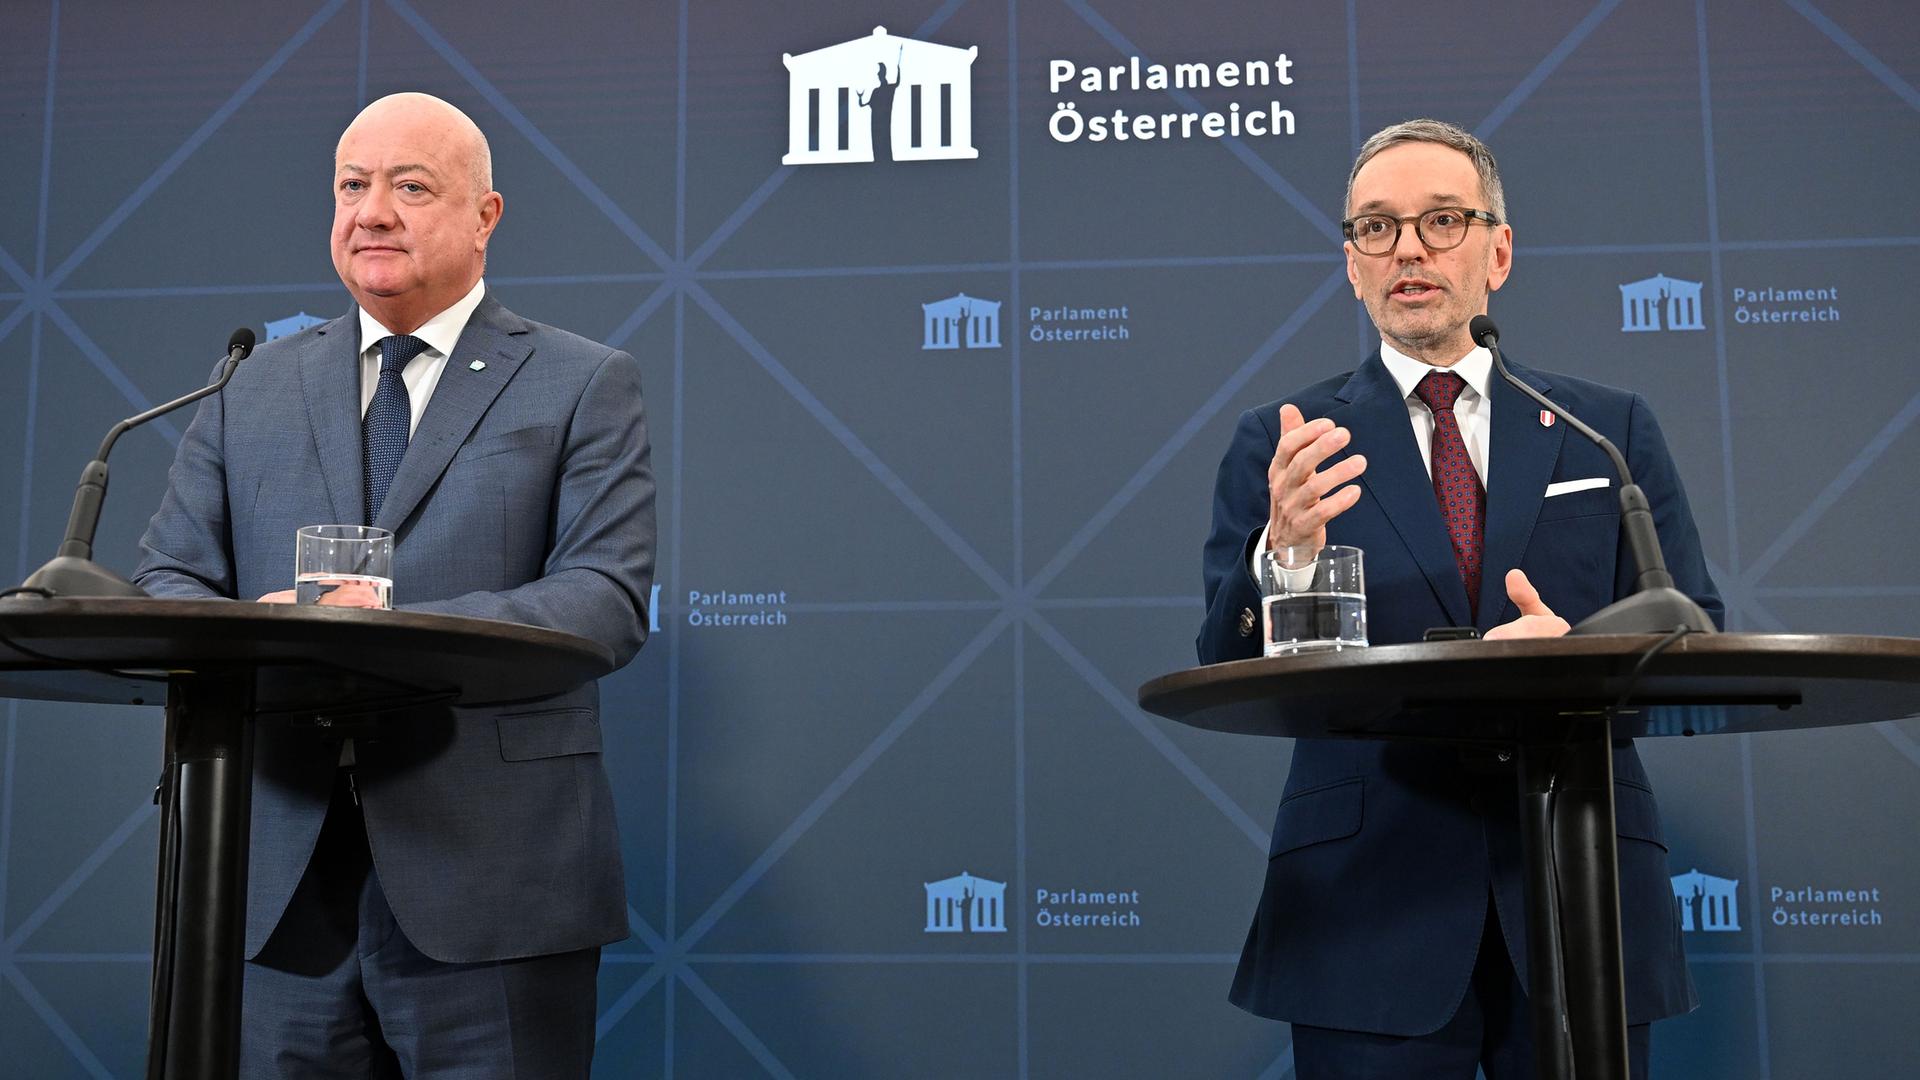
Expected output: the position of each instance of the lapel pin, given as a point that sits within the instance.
(1546, 416)
(477, 365)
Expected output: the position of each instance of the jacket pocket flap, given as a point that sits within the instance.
(548, 733)
(1635, 815)
(504, 443)
(1589, 503)
(1318, 814)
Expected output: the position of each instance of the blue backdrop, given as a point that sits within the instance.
(908, 587)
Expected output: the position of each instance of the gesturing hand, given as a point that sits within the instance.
(1298, 501)
(1536, 618)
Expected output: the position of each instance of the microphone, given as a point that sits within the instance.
(72, 571)
(1655, 607)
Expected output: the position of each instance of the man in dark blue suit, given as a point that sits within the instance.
(1391, 931)
(430, 897)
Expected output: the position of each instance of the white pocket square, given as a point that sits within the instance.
(1565, 487)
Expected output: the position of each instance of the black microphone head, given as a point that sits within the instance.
(1484, 333)
(241, 340)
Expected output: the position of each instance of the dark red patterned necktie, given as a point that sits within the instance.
(1463, 502)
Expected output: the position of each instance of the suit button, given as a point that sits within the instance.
(1246, 622)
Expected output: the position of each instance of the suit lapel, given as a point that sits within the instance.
(330, 385)
(1398, 479)
(459, 400)
(1521, 454)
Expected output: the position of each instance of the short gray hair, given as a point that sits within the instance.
(1436, 131)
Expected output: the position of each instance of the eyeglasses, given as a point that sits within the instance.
(1441, 229)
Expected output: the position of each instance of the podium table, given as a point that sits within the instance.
(220, 667)
(1557, 704)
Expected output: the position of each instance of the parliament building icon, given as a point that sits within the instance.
(960, 322)
(966, 904)
(1642, 304)
(1707, 902)
(292, 324)
(880, 98)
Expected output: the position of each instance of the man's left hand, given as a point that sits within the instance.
(1536, 618)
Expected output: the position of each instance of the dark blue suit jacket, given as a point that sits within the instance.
(525, 495)
(1384, 854)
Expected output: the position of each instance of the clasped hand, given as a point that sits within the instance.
(1302, 498)
(344, 594)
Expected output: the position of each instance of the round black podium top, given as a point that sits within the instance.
(1484, 690)
(125, 650)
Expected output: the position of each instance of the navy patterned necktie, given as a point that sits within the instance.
(1463, 502)
(383, 434)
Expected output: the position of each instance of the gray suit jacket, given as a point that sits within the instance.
(526, 495)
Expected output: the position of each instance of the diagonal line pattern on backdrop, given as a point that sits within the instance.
(1282, 1066)
(1185, 433)
(511, 114)
(845, 435)
(732, 1022)
(645, 931)
(1901, 741)
(1326, 226)
(633, 995)
(780, 175)
(855, 769)
(112, 371)
(186, 149)
(88, 866)
(55, 1023)
(1853, 48)
(14, 319)
(1547, 66)
(1156, 738)
(1735, 595)
(633, 322)
(1843, 480)
(15, 270)
(740, 215)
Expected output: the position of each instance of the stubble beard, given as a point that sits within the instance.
(1432, 340)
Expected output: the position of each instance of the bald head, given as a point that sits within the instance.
(427, 112)
(414, 207)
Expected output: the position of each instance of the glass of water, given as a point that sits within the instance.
(350, 565)
(1315, 598)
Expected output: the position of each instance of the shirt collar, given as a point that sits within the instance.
(1476, 368)
(441, 333)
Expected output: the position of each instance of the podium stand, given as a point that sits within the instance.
(220, 667)
(1557, 704)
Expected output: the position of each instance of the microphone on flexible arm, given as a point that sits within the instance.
(72, 572)
(1655, 607)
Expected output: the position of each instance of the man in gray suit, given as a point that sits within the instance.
(430, 897)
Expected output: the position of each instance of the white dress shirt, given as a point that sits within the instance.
(441, 333)
(1473, 409)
